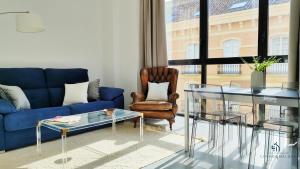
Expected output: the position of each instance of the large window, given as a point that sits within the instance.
(182, 27)
(207, 38)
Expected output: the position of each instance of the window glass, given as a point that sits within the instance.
(232, 20)
(184, 79)
(182, 28)
(279, 16)
(240, 79)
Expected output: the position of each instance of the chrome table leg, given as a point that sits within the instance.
(38, 139)
(64, 147)
(186, 125)
(142, 127)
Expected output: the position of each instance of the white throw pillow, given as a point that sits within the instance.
(158, 91)
(76, 93)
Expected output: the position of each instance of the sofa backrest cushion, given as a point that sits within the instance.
(57, 78)
(31, 80)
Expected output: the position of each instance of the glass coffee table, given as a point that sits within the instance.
(85, 121)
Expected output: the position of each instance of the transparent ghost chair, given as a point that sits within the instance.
(209, 105)
(240, 109)
(279, 127)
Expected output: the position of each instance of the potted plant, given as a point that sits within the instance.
(257, 75)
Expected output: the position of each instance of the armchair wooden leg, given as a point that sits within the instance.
(135, 121)
(171, 121)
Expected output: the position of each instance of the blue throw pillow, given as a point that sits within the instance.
(6, 107)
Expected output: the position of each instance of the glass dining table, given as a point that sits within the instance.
(270, 96)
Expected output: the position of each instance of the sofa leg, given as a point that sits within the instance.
(171, 121)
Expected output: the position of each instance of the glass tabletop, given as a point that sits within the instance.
(263, 92)
(88, 120)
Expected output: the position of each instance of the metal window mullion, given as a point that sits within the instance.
(203, 39)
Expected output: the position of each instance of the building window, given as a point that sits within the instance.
(192, 52)
(231, 48)
(279, 45)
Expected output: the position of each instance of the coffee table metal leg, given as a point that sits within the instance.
(141, 127)
(63, 147)
(38, 139)
(114, 126)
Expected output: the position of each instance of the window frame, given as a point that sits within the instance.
(204, 60)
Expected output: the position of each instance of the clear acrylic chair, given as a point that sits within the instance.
(209, 105)
(240, 109)
(277, 126)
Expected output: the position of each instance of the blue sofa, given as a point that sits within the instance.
(44, 89)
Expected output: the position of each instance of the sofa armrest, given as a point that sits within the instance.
(6, 107)
(110, 93)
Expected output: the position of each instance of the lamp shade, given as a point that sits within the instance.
(29, 23)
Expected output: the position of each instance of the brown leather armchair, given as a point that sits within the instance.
(157, 109)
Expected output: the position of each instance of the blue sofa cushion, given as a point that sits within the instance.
(56, 96)
(25, 78)
(31, 80)
(109, 93)
(38, 98)
(1, 123)
(26, 119)
(6, 107)
(92, 106)
(57, 78)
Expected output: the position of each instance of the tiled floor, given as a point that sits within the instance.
(205, 158)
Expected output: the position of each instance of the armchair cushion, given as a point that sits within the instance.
(157, 91)
(151, 105)
(109, 93)
(6, 107)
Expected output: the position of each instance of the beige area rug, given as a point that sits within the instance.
(99, 149)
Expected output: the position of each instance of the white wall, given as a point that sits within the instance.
(72, 37)
(126, 44)
(100, 35)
